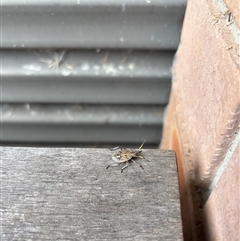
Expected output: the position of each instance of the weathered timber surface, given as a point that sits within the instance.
(68, 194)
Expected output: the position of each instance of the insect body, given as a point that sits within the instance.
(126, 156)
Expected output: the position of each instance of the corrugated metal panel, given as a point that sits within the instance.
(141, 24)
(99, 72)
(86, 124)
(137, 77)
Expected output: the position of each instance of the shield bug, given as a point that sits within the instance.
(126, 156)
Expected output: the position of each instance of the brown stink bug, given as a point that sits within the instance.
(125, 156)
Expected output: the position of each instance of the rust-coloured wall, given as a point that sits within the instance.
(202, 121)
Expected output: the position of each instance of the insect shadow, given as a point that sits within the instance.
(126, 156)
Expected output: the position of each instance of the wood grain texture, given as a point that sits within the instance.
(68, 194)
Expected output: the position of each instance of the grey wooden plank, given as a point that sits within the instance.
(68, 194)
(86, 76)
(151, 24)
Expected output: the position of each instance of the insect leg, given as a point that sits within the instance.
(60, 58)
(105, 59)
(137, 163)
(113, 165)
(143, 158)
(124, 167)
(115, 148)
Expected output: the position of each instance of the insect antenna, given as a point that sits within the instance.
(141, 145)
